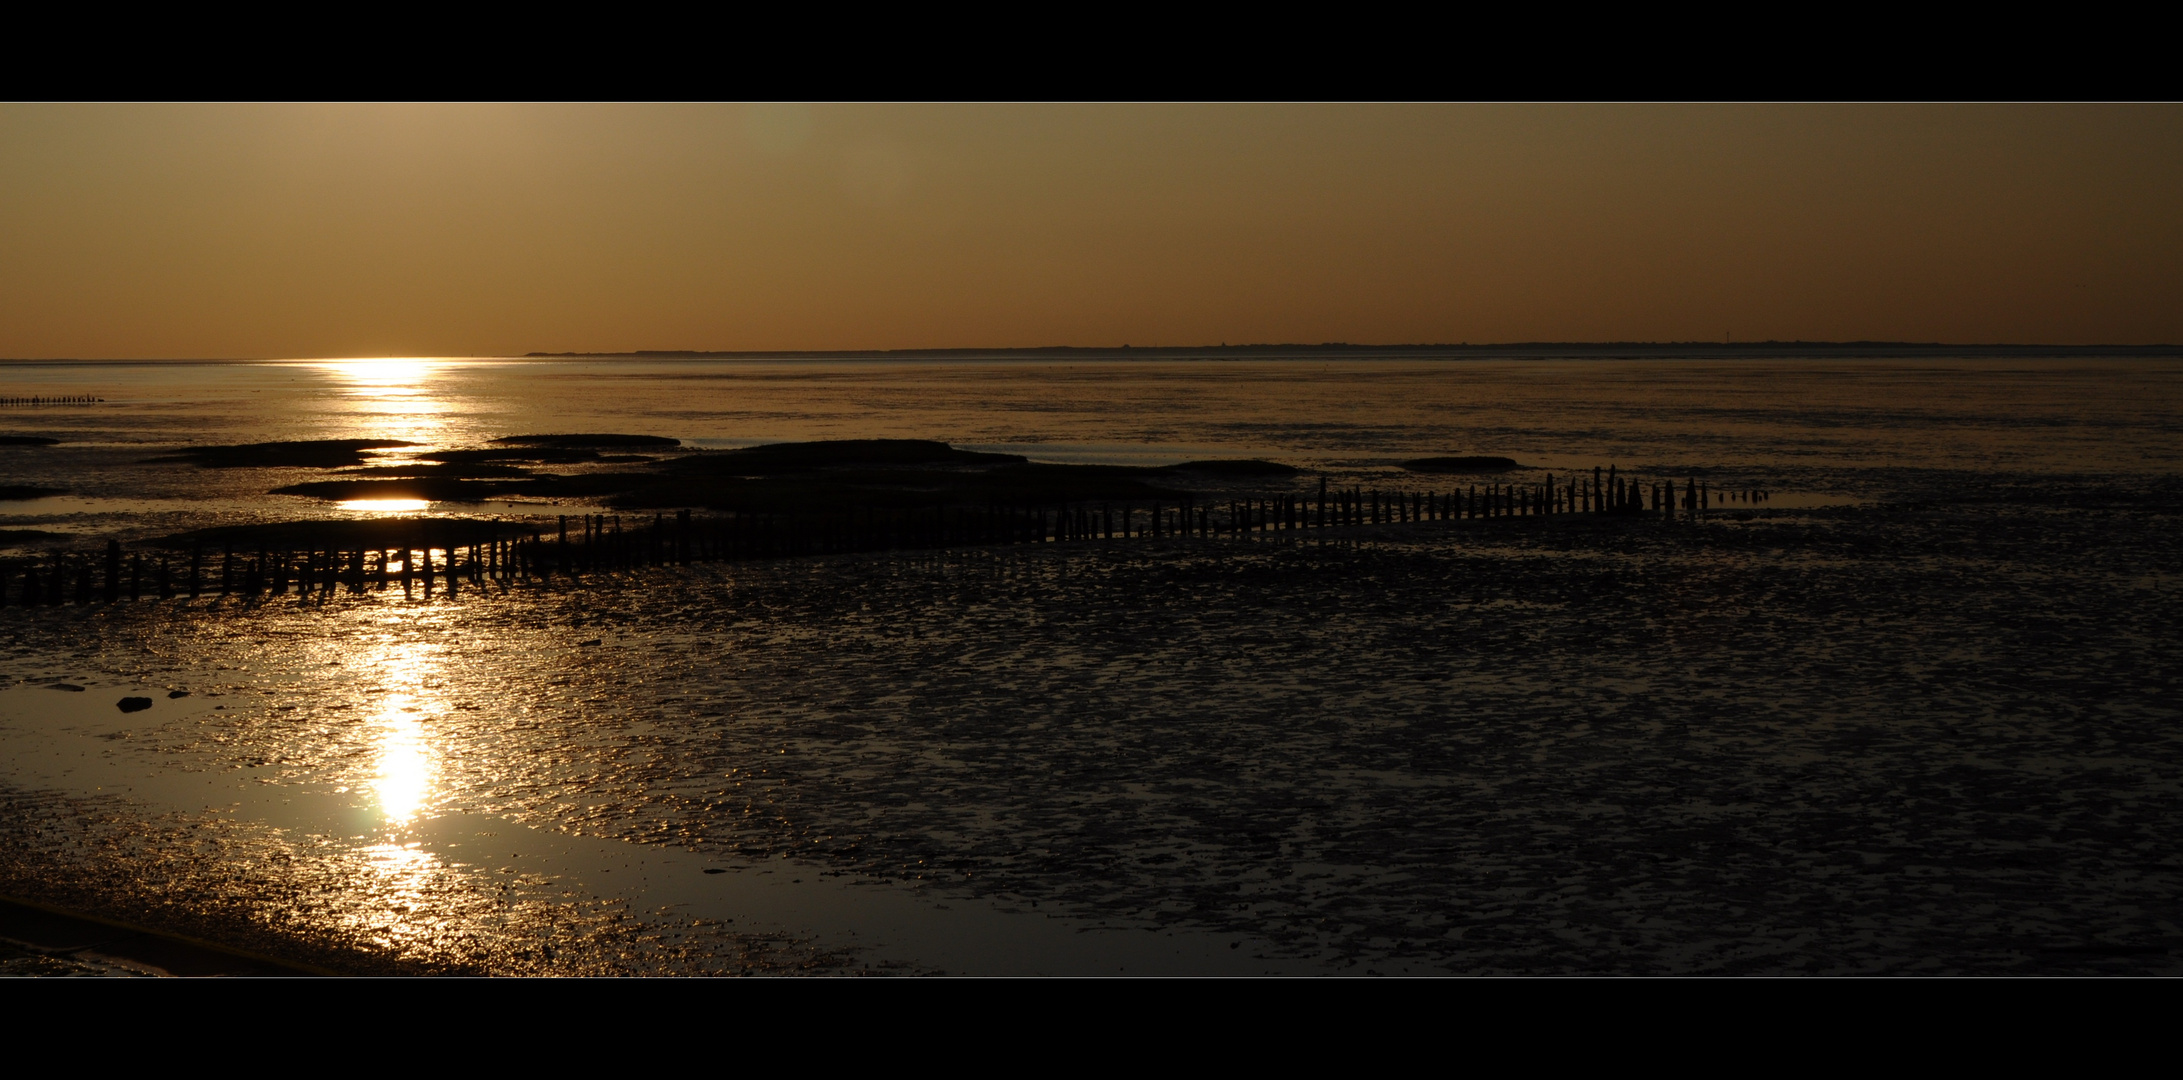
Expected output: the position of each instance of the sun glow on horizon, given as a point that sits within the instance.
(384, 376)
(392, 397)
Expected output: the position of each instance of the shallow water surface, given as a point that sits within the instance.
(1912, 714)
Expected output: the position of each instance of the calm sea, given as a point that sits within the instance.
(1862, 429)
(1919, 711)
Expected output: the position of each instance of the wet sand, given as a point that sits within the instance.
(1906, 737)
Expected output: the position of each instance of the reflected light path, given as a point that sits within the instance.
(393, 378)
(383, 506)
(405, 773)
(394, 397)
(395, 885)
(405, 770)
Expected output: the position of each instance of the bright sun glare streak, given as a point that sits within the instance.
(391, 397)
(389, 377)
(384, 506)
(405, 760)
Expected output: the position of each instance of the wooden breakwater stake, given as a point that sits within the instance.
(605, 549)
(62, 399)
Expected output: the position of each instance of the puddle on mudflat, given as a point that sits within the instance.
(1519, 747)
(73, 737)
(1930, 731)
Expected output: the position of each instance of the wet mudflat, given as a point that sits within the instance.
(1903, 737)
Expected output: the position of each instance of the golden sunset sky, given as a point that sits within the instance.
(362, 230)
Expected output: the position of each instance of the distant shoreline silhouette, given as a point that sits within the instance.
(1333, 350)
(1601, 350)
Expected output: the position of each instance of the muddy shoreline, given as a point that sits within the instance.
(1934, 738)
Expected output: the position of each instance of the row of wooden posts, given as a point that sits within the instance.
(502, 553)
(65, 399)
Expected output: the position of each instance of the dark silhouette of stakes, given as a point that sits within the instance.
(317, 558)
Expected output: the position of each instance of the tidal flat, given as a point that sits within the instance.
(1934, 737)
(1912, 713)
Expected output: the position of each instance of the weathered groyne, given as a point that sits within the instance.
(429, 556)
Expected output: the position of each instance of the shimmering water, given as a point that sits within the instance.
(1918, 712)
(1858, 428)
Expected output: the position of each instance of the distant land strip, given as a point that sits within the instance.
(1332, 350)
(1343, 350)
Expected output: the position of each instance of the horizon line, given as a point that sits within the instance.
(1529, 349)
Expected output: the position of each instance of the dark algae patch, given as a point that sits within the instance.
(308, 454)
(834, 453)
(1235, 467)
(1474, 464)
(592, 441)
(834, 477)
(460, 469)
(848, 476)
(437, 489)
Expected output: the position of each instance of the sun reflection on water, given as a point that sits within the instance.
(387, 377)
(405, 773)
(384, 506)
(395, 397)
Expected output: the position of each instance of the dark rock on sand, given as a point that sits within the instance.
(537, 455)
(590, 440)
(172, 694)
(847, 477)
(307, 454)
(134, 704)
(423, 470)
(435, 489)
(26, 440)
(30, 536)
(1461, 464)
(1046, 483)
(452, 488)
(833, 453)
(1235, 467)
(12, 492)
